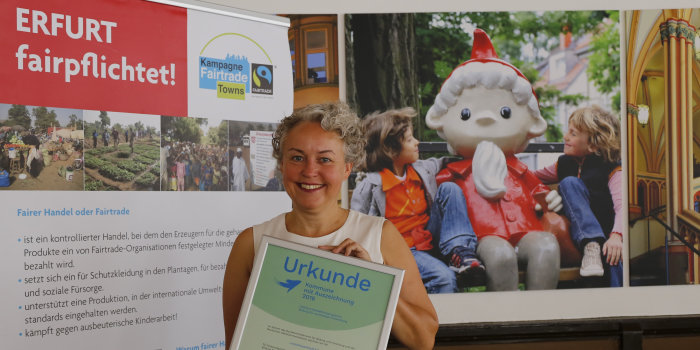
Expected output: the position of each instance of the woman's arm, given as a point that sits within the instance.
(415, 320)
(238, 268)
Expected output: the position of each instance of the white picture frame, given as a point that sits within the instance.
(338, 303)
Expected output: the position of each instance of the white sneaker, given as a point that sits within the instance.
(591, 264)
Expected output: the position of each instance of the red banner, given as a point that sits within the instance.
(116, 55)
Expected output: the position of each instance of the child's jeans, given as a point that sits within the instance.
(449, 220)
(584, 225)
(436, 276)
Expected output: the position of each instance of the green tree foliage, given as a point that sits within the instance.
(19, 115)
(604, 64)
(104, 119)
(74, 122)
(183, 129)
(44, 119)
(90, 127)
(222, 134)
(151, 130)
(138, 126)
(235, 133)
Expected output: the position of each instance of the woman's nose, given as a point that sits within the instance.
(310, 167)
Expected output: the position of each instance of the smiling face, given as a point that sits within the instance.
(576, 143)
(313, 167)
(483, 114)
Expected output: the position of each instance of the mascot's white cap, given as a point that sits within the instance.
(484, 69)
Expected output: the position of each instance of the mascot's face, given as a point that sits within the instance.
(483, 114)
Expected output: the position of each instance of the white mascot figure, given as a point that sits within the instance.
(487, 112)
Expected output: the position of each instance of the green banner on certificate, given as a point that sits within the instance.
(303, 300)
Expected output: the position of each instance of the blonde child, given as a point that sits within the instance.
(403, 189)
(590, 184)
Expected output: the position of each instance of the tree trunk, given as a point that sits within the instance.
(351, 92)
(385, 70)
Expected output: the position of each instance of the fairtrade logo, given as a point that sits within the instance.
(231, 75)
(262, 79)
(290, 284)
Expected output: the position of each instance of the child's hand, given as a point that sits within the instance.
(612, 249)
(348, 248)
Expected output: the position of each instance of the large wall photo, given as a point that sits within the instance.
(451, 63)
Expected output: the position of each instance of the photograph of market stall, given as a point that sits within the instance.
(41, 148)
(122, 152)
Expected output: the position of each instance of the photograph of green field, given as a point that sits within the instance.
(122, 151)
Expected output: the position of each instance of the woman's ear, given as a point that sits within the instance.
(347, 171)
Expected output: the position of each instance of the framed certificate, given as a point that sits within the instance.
(302, 297)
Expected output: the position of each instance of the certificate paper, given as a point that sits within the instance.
(301, 297)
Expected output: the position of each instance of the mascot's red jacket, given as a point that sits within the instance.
(510, 217)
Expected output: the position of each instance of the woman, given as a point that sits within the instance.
(316, 148)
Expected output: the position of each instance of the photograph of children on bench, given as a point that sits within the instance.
(493, 144)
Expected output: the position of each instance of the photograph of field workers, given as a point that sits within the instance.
(122, 151)
(40, 148)
(253, 168)
(194, 154)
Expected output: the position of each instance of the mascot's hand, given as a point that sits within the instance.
(554, 202)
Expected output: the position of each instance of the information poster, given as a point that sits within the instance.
(301, 297)
(115, 190)
(264, 164)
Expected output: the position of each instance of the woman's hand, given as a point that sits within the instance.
(612, 249)
(348, 248)
(415, 321)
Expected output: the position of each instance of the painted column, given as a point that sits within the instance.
(633, 196)
(677, 40)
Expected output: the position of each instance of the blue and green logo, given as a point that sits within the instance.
(232, 75)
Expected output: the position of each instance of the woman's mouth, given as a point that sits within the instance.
(310, 187)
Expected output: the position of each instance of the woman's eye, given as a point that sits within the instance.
(505, 112)
(297, 158)
(466, 114)
(325, 160)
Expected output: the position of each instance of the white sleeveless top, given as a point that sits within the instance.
(364, 229)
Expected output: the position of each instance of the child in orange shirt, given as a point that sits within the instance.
(403, 189)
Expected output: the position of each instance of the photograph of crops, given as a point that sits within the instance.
(122, 151)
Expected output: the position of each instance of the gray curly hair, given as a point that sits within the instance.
(335, 117)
